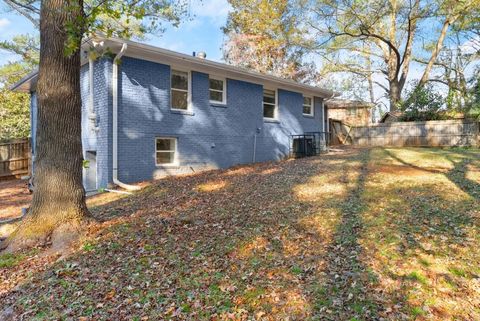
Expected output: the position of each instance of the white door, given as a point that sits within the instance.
(90, 171)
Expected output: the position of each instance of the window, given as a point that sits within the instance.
(269, 103)
(308, 106)
(352, 112)
(180, 91)
(165, 150)
(217, 90)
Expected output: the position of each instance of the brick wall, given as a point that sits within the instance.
(208, 136)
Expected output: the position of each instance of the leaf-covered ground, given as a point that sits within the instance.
(13, 196)
(366, 234)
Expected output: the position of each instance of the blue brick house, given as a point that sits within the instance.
(148, 112)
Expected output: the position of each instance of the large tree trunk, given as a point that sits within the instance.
(58, 210)
(395, 92)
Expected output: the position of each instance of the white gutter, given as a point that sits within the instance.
(115, 122)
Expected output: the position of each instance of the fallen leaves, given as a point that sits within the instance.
(335, 237)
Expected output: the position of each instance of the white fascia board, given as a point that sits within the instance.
(168, 57)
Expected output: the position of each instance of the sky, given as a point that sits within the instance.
(200, 33)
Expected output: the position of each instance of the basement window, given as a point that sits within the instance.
(165, 151)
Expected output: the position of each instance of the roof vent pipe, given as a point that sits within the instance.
(116, 61)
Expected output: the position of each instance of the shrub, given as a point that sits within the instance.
(423, 104)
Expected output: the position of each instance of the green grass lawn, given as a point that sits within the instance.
(360, 235)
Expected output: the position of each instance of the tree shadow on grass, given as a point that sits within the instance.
(421, 213)
(388, 274)
(426, 238)
(457, 175)
(346, 294)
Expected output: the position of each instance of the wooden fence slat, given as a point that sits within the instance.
(428, 133)
(14, 157)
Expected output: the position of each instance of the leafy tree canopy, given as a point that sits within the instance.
(26, 46)
(124, 19)
(267, 36)
(424, 103)
(14, 107)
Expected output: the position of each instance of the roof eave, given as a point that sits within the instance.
(350, 106)
(25, 84)
(209, 64)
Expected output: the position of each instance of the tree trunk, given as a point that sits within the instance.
(436, 50)
(370, 85)
(58, 211)
(394, 94)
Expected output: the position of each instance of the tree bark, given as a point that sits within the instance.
(407, 54)
(58, 210)
(395, 93)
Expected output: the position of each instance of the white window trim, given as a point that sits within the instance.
(275, 110)
(189, 89)
(224, 90)
(312, 107)
(175, 151)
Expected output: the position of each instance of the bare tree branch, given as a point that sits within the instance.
(26, 9)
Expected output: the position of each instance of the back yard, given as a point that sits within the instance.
(359, 235)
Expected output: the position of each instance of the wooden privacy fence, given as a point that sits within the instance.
(426, 133)
(14, 158)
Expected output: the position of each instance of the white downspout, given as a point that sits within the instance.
(254, 146)
(91, 117)
(90, 78)
(115, 122)
(325, 125)
(257, 131)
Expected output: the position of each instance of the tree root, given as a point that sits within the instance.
(58, 238)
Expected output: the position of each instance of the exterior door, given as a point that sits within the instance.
(90, 171)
